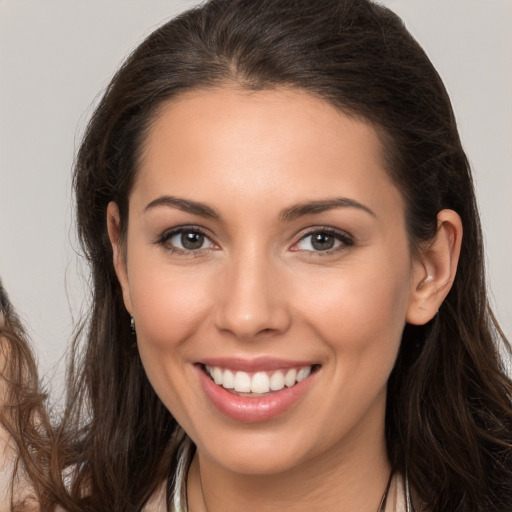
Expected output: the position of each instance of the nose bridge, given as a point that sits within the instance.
(252, 301)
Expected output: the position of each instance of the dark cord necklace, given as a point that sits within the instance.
(382, 505)
(407, 495)
(177, 496)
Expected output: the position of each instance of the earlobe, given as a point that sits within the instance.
(119, 257)
(435, 269)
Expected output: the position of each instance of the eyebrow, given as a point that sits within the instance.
(291, 213)
(320, 206)
(186, 205)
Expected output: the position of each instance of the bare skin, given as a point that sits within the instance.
(264, 226)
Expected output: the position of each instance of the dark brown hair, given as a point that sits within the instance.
(449, 415)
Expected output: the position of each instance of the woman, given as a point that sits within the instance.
(289, 303)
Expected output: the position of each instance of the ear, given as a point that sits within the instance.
(114, 234)
(435, 268)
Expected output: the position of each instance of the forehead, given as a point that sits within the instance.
(271, 117)
(292, 140)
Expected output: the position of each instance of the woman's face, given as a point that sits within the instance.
(266, 245)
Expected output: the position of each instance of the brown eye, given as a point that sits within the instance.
(323, 240)
(192, 240)
(184, 240)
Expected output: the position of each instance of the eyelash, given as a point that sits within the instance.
(164, 240)
(344, 240)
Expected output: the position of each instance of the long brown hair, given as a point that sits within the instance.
(25, 418)
(449, 414)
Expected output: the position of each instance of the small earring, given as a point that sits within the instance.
(132, 324)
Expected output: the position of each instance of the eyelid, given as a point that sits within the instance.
(345, 238)
(164, 238)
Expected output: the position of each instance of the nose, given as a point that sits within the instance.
(252, 302)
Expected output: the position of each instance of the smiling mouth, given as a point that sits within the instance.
(258, 383)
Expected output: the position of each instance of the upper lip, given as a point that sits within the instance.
(254, 364)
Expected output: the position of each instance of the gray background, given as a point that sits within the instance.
(57, 55)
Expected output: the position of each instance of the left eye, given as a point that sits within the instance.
(322, 241)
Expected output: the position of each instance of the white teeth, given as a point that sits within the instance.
(242, 382)
(277, 381)
(259, 382)
(303, 373)
(217, 375)
(229, 380)
(289, 380)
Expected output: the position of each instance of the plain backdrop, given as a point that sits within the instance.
(56, 56)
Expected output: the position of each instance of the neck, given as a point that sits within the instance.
(351, 476)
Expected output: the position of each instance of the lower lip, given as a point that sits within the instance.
(257, 409)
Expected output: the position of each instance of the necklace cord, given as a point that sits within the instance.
(384, 498)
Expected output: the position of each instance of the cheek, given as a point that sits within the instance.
(168, 303)
(359, 317)
(169, 308)
(358, 310)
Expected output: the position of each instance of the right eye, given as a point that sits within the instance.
(186, 240)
